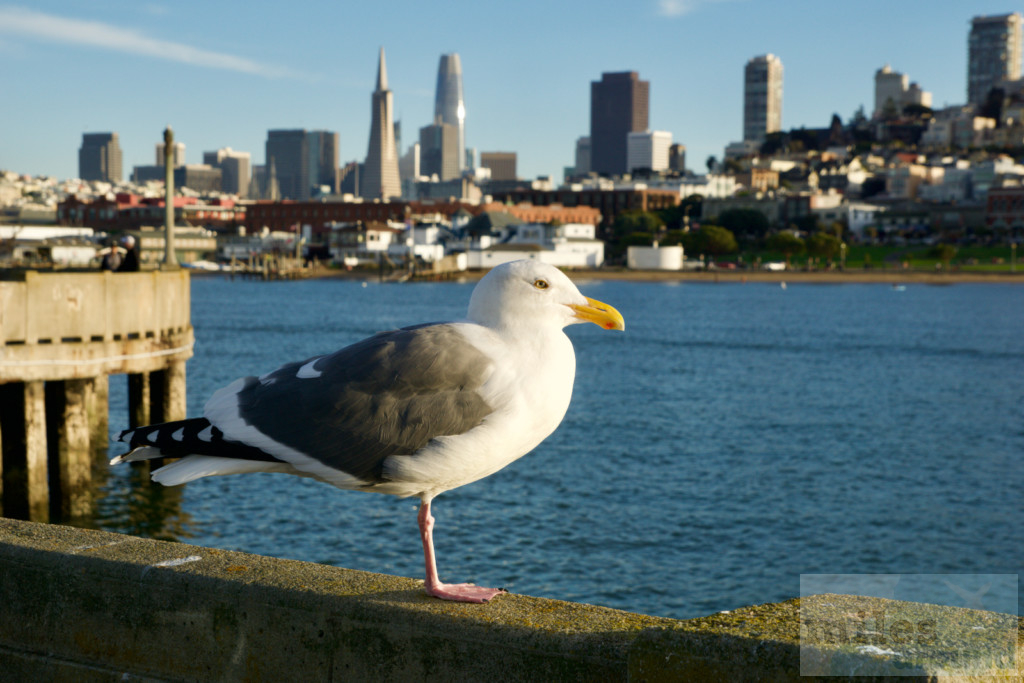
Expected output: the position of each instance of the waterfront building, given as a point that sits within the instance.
(648, 150)
(502, 165)
(619, 105)
(449, 106)
(380, 177)
(993, 54)
(99, 157)
(762, 97)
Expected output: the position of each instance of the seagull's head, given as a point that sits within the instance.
(531, 293)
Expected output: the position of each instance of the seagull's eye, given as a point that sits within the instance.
(540, 284)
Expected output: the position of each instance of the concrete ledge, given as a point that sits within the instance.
(81, 605)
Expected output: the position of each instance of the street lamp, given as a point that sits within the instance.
(842, 256)
(1013, 257)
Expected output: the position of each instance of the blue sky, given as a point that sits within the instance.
(222, 73)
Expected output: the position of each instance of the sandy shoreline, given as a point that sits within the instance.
(890, 277)
(794, 277)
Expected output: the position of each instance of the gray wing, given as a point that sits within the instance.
(386, 395)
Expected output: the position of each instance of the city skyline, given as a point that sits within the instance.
(72, 70)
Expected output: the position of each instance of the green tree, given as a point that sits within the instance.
(787, 243)
(628, 222)
(713, 239)
(823, 245)
(750, 223)
(943, 252)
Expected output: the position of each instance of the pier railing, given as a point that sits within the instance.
(61, 335)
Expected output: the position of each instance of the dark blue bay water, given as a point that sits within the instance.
(736, 436)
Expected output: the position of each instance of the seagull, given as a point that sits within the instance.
(410, 412)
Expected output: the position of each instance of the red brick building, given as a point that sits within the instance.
(1004, 209)
(132, 212)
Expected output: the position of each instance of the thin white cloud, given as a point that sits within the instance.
(677, 8)
(25, 23)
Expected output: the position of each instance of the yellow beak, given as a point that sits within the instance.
(600, 314)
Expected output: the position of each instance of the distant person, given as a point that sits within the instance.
(112, 259)
(130, 263)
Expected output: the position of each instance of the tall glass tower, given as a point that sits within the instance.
(449, 106)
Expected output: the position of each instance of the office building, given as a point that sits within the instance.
(439, 151)
(304, 161)
(582, 157)
(202, 178)
(235, 169)
(380, 173)
(501, 164)
(762, 97)
(619, 105)
(648, 150)
(993, 54)
(449, 106)
(99, 157)
(179, 154)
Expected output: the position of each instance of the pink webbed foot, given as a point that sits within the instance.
(462, 592)
(458, 592)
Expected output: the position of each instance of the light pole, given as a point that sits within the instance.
(1013, 257)
(842, 256)
(170, 257)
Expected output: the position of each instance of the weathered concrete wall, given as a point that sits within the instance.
(80, 605)
(56, 326)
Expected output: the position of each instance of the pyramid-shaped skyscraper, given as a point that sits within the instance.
(380, 180)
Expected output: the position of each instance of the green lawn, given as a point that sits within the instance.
(971, 259)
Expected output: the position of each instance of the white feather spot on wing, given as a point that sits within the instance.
(178, 435)
(307, 371)
(206, 434)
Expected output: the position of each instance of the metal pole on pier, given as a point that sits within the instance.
(170, 256)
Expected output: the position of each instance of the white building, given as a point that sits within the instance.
(571, 245)
(648, 149)
(655, 258)
(891, 86)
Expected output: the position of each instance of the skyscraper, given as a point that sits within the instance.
(619, 105)
(304, 160)
(99, 157)
(380, 179)
(762, 97)
(993, 54)
(449, 106)
(234, 167)
(439, 155)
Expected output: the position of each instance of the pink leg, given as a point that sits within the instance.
(459, 592)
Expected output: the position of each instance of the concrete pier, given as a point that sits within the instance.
(82, 605)
(61, 336)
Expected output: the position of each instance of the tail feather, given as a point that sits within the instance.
(195, 436)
